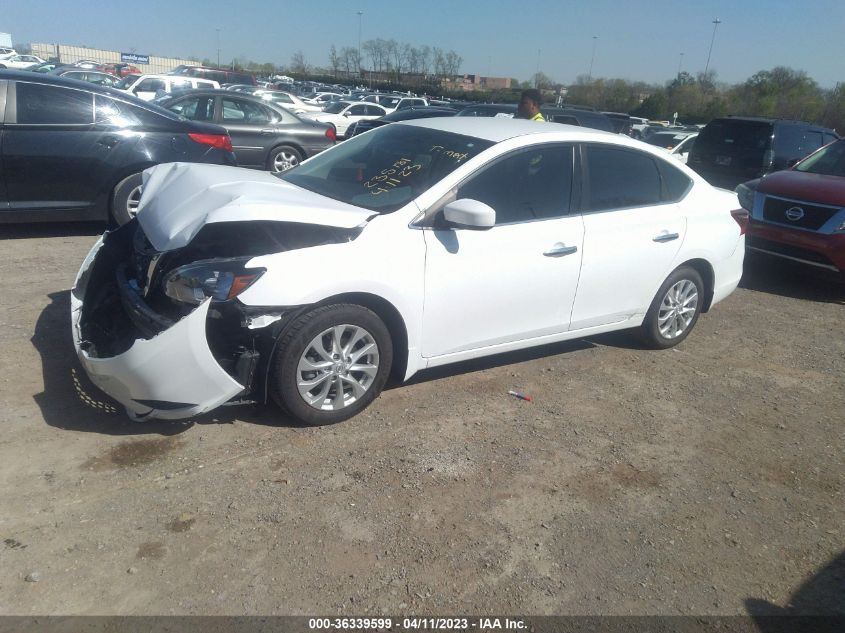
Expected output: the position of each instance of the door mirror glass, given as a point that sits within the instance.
(467, 213)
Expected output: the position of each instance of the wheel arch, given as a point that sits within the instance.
(392, 318)
(383, 308)
(705, 269)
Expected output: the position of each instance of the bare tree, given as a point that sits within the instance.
(350, 61)
(425, 59)
(453, 63)
(298, 64)
(334, 60)
(439, 61)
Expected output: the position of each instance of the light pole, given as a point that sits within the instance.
(360, 20)
(592, 59)
(716, 23)
(680, 63)
(218, 47)
(537, 74)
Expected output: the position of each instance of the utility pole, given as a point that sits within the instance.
(218, 47)
(537, 74)
(716, 23)
(680, 63)
(360, 20)
(592, 59)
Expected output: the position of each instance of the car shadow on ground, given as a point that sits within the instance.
(821, 596)
(58, 229)
(71, 402)
(773, 275)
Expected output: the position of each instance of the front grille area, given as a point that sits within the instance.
(815, 216)
(777, 248)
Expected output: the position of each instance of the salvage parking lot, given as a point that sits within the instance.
(704, 479)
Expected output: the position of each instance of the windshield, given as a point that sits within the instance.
(828, 161)
(385, 169)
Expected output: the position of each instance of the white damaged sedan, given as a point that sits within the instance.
(414, 245)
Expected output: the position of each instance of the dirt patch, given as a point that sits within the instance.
(152, 550)
(132, 453)
(182, 523)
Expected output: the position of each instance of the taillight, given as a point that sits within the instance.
(741, 217)
(331, 135)
(220, 141)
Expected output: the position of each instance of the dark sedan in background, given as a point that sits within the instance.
(423, 112)
(264, 135)
(75, 151)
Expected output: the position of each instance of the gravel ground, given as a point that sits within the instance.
(707, 479)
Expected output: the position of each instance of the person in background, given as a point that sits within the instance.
(529, 105)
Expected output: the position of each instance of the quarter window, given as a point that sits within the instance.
(53, 105)
(618, 178)
(530, 185)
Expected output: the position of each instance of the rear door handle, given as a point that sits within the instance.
(666, 237)
(108, 141)
(560, 251)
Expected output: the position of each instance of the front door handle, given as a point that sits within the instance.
(559, 250)
(268, 131)
(666, 237)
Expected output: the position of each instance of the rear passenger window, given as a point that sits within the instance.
(812, 141)
(53, 105)
(619, 178)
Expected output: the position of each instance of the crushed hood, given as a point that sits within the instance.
(180, 198)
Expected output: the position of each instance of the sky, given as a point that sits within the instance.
(646, 40)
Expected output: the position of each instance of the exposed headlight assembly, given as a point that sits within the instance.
(220, 279)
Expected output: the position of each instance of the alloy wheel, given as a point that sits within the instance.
(337, 367)
(284, 160)
(677, 309)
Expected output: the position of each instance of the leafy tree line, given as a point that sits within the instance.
(779, 93)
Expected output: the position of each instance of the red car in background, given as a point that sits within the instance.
(799, 213)
(121, 70)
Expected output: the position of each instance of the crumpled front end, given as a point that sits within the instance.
(155, 365)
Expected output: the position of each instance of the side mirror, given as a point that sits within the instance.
(469, 214)
(347, 114)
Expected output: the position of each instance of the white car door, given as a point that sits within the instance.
(516, 280)
(633, 230)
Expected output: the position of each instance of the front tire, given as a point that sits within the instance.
(331, 364)
(125, 199)
(675, 309)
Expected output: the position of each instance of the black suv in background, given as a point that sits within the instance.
(732, 150)
(72, 150)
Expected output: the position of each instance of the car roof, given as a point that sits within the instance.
(500, 129)
(55, 80)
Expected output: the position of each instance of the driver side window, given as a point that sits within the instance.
(534, 184)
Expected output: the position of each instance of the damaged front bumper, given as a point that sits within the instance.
(172, 374)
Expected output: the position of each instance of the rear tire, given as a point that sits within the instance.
(675, 309)
(283, 158)
(331, 364)
(125, 198)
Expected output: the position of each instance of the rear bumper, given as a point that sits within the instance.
(822, 250)
(728, 272)
(171, 375)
